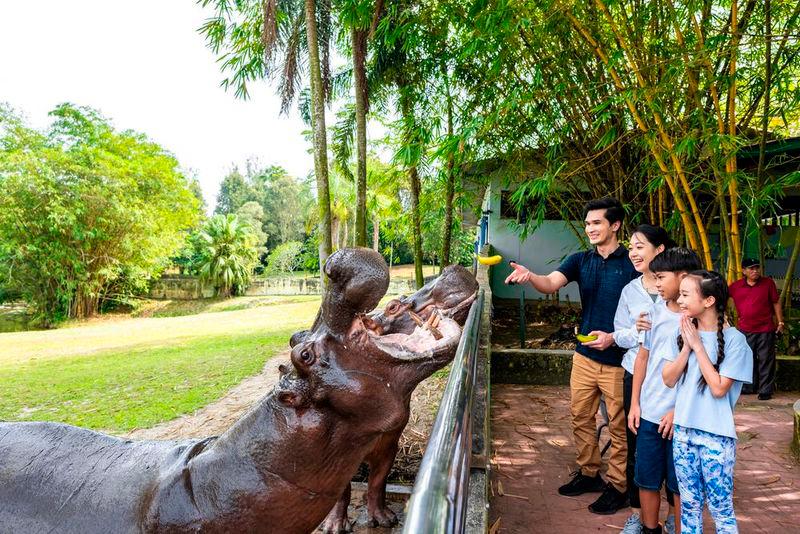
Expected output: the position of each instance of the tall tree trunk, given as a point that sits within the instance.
(359, 42)
(733, 185)
(336, 232)
(376, 233)
(451, 181)
(320, 138)
(764, 124)
(415, 215)
(413, 176)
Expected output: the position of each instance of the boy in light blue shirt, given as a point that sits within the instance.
(653, 402)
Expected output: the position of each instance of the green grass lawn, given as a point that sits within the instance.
(124, 373)
(134, 388)
(119, 373)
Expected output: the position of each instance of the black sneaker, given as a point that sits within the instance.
(581, 484)
(764, 396)
(609, 502)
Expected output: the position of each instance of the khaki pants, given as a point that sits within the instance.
(588, 381)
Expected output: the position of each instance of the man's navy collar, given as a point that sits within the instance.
(620, 250)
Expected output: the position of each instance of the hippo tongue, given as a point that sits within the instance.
(421, 340)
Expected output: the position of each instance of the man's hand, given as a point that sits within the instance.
(634, 414)
(643, 322)
(779, 330)
(519, 275)
(603, 341)
(665, 427)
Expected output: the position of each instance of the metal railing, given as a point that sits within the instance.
(438, 502)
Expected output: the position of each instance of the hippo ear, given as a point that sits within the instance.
(298, 337)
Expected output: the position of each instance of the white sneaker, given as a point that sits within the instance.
(634, 525)
(669, 525)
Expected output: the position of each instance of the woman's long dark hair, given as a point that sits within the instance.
(711, 284)
(655, 235)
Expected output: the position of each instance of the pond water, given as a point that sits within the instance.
(14, 318)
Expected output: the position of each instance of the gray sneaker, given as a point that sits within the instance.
(634, 524)
(669, 525)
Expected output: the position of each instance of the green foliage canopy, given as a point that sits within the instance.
(286, 203)
(285, 258)
(88, 213)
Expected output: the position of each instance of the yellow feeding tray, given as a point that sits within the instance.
(585, 339)
(490, 260)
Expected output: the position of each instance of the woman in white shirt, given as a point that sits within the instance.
(630, 322)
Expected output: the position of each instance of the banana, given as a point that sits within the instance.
(585, 339)
(490, 260)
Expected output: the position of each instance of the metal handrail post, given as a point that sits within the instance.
(438, 501)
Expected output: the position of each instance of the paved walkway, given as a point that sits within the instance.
(533, 455)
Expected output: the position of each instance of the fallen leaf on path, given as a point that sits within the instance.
(558, 442)
(495, 527)
(768, 480)
(516, 496)
(525, 435)
(500, 488)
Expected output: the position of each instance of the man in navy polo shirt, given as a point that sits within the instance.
(601, 273)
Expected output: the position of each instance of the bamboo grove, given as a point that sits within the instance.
(648, 101)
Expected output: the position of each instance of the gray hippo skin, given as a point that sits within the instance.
(449, 295)
(279, 469)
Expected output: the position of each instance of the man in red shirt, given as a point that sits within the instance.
(756, 300)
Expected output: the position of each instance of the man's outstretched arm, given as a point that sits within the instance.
(546, 284)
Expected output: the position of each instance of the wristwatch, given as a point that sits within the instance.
(781, 323)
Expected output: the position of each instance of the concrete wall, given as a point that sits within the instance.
(541, 252)
(179, 288)
(189, 287)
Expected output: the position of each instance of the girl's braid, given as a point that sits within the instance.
(713, 284)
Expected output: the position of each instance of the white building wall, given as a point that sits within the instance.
(541, 252)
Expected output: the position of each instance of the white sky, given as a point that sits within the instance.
(145, 67)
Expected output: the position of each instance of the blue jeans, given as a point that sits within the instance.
(704, 467)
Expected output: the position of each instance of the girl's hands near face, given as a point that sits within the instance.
(690, 334)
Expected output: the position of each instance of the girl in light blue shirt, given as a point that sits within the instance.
(713, 363)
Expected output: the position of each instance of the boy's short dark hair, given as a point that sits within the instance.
(673, 260)
(614, 210)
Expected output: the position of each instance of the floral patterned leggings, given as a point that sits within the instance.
(704, 466)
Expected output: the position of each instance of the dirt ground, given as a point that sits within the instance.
(217, 417)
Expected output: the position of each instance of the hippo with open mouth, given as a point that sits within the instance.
(281, 468)
(408, 322)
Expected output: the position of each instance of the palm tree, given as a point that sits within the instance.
(230, 254)
(261, 39)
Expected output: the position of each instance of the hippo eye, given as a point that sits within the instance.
(393, 307)
(307, 357)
